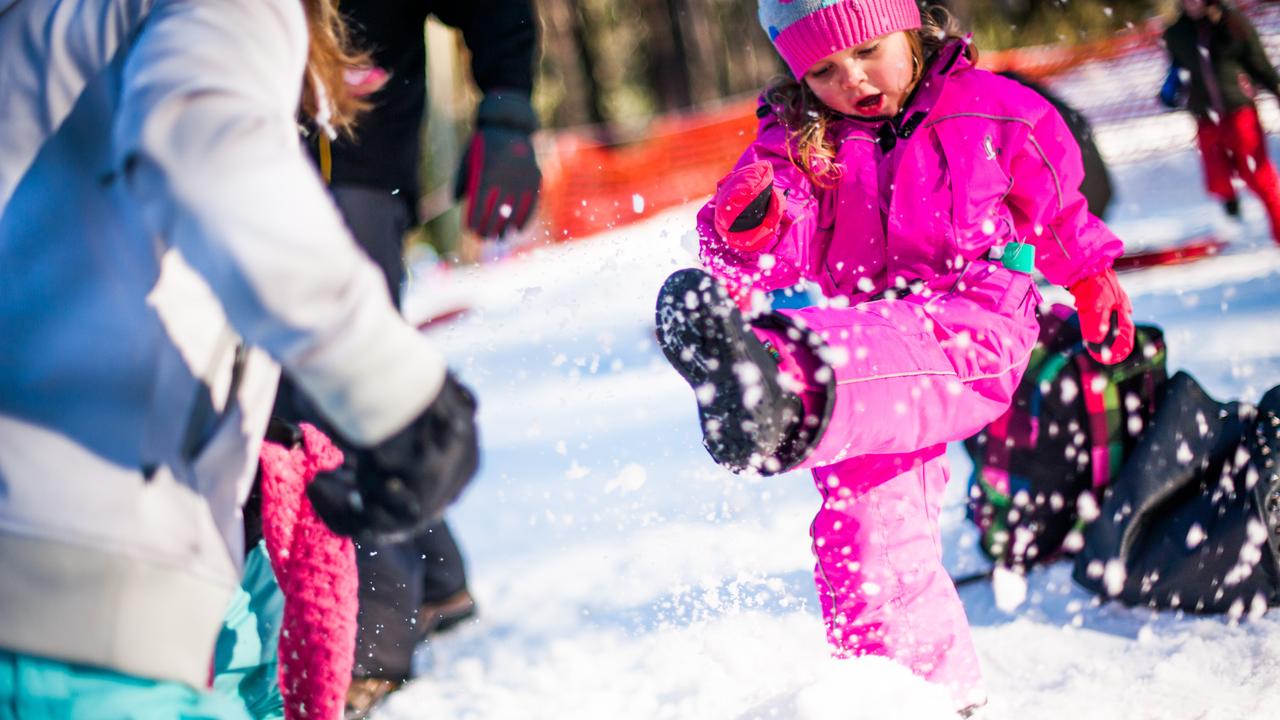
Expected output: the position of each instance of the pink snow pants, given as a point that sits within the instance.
(911, 375)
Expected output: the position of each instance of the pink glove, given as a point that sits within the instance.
(1106, 317)
(748, 207)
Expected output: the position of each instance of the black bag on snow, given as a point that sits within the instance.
(1193, 520)
(1072, 422)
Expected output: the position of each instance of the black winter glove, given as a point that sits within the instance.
(499, 174)
(397, 487)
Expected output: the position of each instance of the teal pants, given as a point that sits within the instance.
(244, 661)
(244, 684)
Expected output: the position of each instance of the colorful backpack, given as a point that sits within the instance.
(1040, 468)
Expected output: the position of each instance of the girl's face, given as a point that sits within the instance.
(871, 80)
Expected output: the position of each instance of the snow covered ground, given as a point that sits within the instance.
(621, 574)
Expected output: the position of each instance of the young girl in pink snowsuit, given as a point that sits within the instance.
(886, 173)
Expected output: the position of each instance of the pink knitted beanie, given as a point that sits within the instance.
(805, 31)
(317, 574)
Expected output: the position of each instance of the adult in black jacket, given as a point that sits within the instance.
(1219, 48)
(499, 167)
(418, 585)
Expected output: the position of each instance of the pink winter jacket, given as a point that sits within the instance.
(979, 160)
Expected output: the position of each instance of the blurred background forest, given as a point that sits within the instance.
(622, 61)
(609, 68)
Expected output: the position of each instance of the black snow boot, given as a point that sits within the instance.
(749, 422)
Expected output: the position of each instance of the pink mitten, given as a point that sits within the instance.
(748, 207)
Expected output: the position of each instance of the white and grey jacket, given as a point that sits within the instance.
(165, 246)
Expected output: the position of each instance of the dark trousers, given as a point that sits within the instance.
(396, 579)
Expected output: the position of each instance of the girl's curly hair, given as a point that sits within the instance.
(807, 119)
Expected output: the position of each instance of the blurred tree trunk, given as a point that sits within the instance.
(961, 11)
(749, 57)
(667, 64)
(446, 120)
(566, 41)
(583, 35)
(696, 37)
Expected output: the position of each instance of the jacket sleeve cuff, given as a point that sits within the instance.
(507, 108)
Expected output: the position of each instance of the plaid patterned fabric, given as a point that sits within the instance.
(1071, 425)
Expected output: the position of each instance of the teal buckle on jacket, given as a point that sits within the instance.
(1019, 256)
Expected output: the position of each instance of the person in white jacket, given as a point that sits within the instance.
(165, 246)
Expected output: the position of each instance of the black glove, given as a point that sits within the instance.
(397, 487)
(499, 174)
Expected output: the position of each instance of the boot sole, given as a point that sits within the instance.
(702, 335)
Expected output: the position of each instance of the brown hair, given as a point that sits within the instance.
(329, 55)
(807, 119)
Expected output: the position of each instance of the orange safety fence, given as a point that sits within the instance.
(589, 186)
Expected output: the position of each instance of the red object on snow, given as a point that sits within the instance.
(1197, 248)
(316, 570)
(442, 318)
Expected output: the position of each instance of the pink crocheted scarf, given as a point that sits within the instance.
(316, 570)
